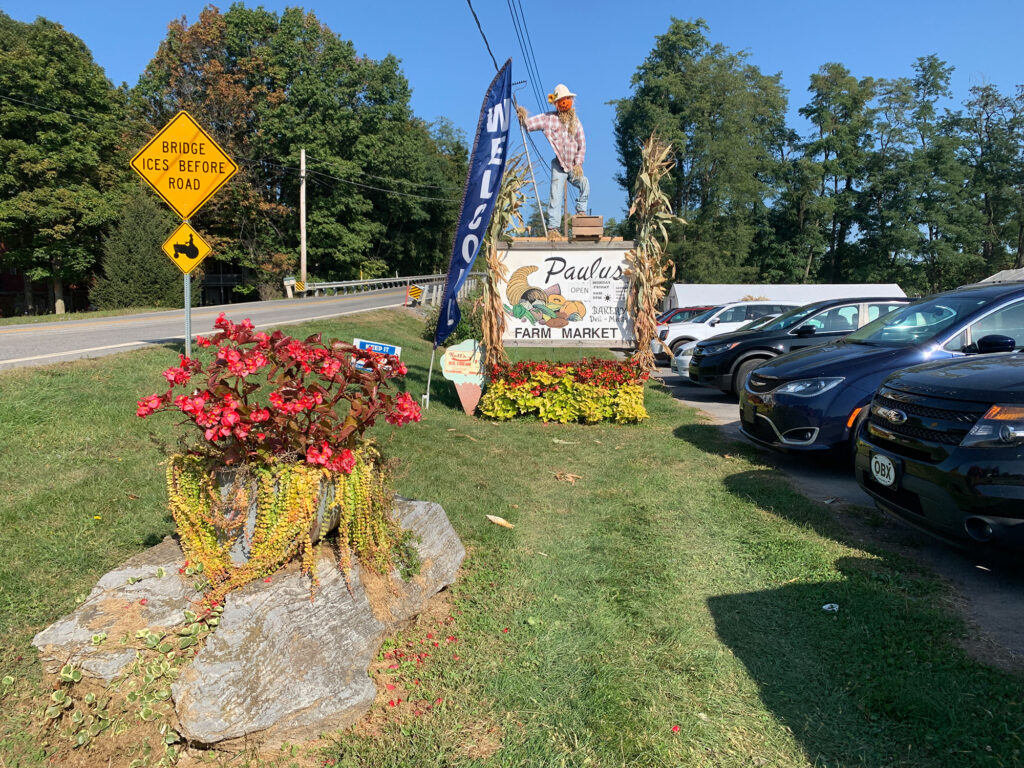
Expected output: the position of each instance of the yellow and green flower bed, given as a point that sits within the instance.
(589, 390)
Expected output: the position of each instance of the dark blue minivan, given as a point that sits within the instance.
(813, 399)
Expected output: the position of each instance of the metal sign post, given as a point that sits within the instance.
(188, 315)
(186, 248)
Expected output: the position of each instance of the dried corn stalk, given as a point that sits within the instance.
(506, 217)
(650, 270)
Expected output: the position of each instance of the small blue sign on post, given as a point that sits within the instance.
(376, 346)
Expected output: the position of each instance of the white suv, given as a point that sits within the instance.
(723, 319)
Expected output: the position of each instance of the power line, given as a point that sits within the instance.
(51, 109)
(531, 70)
(477, 20)
(361, 172)
(310, 172)
(381, 189)
(529, 43)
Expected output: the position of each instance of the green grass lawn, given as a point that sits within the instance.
(663, 610)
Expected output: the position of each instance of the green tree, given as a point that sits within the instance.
(949, 224)
(990, 143)
(268, 86)
(725, 122)
(136, 272)
(840, 112)
(59, 143)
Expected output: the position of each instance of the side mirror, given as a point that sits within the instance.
(806, 330)
(713, 321)
(995, 343)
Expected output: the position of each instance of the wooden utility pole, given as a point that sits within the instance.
(302, 216)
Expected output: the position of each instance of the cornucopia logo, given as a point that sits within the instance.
(543, 306)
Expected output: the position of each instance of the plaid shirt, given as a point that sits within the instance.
(568, 149)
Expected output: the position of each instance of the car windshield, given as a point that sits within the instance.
(917, 322)
(703, 317)
(791, 318)
(758, 323)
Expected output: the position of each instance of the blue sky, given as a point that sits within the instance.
(595, 48)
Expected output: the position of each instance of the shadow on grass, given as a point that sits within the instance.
(883, 682)
(710, 439)
(877, 683)
(442, 391)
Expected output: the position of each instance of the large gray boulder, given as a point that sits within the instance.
(146, 592)
(278, 667)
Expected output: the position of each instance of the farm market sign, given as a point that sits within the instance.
(566, 297)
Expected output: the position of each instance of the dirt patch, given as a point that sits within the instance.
(985, 590)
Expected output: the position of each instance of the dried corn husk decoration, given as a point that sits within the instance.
(506, 217)
(650, 270)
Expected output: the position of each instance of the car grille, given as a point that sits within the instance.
(967, 417)
(760, 383)
(931, 424)
(925, 435)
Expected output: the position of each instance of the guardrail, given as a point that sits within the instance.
(432, 285)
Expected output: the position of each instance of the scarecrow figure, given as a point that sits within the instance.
(565, 133)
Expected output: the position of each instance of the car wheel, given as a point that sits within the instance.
(675, 345)
(743, 371)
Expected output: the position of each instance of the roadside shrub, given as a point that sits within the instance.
(589, 390)
(469, 327)
(136, 273)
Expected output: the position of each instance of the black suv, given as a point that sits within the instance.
(944, 446)
(725, 361)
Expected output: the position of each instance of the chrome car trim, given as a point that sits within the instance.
(787, 441)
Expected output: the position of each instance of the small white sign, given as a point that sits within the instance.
(883, 470)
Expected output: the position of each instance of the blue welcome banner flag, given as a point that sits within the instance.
(487, 166)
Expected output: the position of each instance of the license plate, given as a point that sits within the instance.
(883, 470)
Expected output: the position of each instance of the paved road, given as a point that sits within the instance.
(44, 343)
(992, 588)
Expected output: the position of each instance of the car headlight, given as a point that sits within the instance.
(663, 333)
(714, 349)
(1001, 426)
(809, 387)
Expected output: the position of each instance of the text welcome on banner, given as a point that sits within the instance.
(487, 166)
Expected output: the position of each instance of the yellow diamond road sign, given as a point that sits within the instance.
(184, 165)
(186, 248)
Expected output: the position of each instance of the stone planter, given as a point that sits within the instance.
(278, 667)
(326, 520)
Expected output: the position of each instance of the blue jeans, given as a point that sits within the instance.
(558, 179)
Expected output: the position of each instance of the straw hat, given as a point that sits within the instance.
(561, 92)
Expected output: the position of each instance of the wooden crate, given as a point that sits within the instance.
(587, 226)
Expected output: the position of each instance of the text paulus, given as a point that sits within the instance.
(490, 150)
